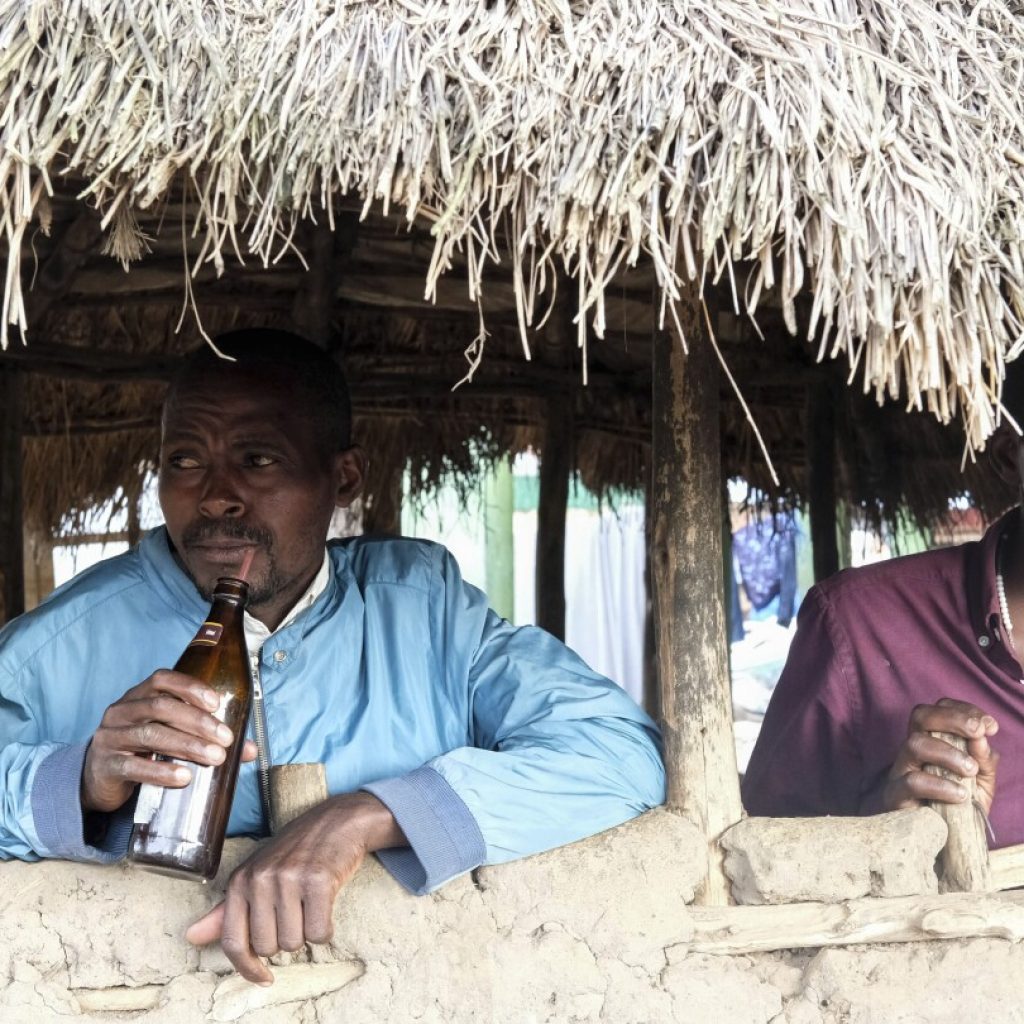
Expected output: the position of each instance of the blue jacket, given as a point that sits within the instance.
(487, 742)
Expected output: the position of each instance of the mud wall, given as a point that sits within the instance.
(599, 931)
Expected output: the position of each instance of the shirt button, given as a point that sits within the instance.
(983, 641)
(279, 656)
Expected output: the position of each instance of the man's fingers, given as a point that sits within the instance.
(235, 941)
(953, 716)
(250, 751)
(291, 934)
(921, 749)
(208, 928)
(162, 710)
(981, 750)
(130, 768)
(154, 737)
(186, 688)
(916, 786)
(318, 913)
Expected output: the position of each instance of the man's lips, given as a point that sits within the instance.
(221, 550)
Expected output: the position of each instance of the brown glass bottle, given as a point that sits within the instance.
(180, 832)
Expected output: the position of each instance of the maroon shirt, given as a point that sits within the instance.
(870, 644)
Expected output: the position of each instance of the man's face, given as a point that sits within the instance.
(241, 471)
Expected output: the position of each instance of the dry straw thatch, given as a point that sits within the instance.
(869, 151)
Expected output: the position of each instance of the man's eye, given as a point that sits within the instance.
(182, 462)
(260, 461)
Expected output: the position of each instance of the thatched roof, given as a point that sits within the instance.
(852, 170)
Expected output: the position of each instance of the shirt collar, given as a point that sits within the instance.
(257, 634)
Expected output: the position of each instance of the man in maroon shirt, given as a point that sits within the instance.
(886, 654)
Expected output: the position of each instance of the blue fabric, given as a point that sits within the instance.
(398, 673)
(444, 838)
(765, 552)
(57, 811)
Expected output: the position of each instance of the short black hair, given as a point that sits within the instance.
(318, 380)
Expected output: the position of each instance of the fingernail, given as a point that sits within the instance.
(182, 775)
(973, 724)
(208, 697)
(988, 721)
(970, 765)
(264, 984)
(963, 794)
(214, 753)
(223, 734)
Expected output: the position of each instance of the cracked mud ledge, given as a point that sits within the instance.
(598, 931)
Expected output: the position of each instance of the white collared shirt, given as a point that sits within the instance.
(257, 634)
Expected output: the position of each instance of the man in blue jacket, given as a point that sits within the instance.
(451, 739)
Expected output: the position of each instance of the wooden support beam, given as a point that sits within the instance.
(316, 302)
(80, 363)
(499, 560)
(964, 860)
(821, 479)
(38, 566)
(739, 930)
(689, 590)
(12, 543)
(552, 506)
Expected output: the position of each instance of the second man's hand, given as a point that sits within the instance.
(909, 785)
(283, 896)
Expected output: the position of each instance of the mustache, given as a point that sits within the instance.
(226, 529)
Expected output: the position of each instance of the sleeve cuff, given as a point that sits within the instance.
(57, 812)
(444, 838)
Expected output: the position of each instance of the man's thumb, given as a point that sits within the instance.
(208, 928)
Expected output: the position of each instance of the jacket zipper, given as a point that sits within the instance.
(259, 728)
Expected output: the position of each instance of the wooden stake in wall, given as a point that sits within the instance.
(689, 591)
(555, 464)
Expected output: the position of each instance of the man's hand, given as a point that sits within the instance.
(169, 714)
(908, 784)
(283, 896)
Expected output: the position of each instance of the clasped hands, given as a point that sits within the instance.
(283, 896)
(909, 785)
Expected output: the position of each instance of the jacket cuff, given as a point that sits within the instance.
(58, 818)
(444, 838)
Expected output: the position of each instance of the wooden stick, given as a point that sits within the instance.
(294, 789)
(964, 860)
(736, 930)
(1006, 867)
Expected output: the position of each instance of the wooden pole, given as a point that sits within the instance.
(821, 481)
(313, 308)
(555, 465)
(38, 566)
(12, 540)
(964, 860)
(295, 789)
(689, 592)
(733, 931)
(499, 509)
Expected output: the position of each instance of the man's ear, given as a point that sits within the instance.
(349, 475)
(1004, 451)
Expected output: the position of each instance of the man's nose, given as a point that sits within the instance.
(221, 499)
